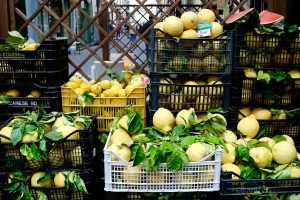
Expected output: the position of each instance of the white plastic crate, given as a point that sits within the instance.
(197, 176)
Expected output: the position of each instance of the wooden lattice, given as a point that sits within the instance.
(107, 42)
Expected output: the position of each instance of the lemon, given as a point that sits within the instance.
(59, 180)
(76, 156)
(211, 78)
(76, 80)
(196, 152)
(58, 123)
(35, 177)
(129, 89)
(72, 85)
(173, 26)
(163, 119)
(268, 140)
(261, 156)
(245, 111)
(242, 141)
(262, 114)
(30, 137)
(127, 77)
(284, 152)
(6, 131)
(203, 103)
(250, 73)
(289, 139)
(221, 121)
(191, 92)
(30, 96)
(116, 87)
(121, 93)
(66, 130)
(56, 157)
(123, 122)
(190, 20)
(249, 126)
(189, 34)
(96, 89)
(132, 174)
(91, 82)
(229, 167)
(165, 88)
(183, 117)
(35, 93)
(229, 137)
(206, 15)
(175, 101)
(13, 93)
(79, 91)
(246, 96)
(216, 30)
(105, 84)
(121, 150)
(120, 136)
(228, 157)
(85, 86)
(110, 93)
(160, 26)
(295, 172)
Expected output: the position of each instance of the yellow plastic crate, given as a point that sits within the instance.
(105, 107)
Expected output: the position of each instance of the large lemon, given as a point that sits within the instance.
(206, 15)
(35, 177)
(190, 20)
(173, 26)
(228, 157)
(229, 167)
(284, 152)
(216, 29)
(261, 156)
(160, 26)
(248, 126)
(59, 180)
(196, 152)
(76, 156)
(189, 34)
(164, 120)
(120, 136)
(121, 150)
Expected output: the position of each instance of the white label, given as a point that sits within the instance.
(204, 33)
(19, 103)
(33, 103)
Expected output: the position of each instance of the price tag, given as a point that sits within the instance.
(204, 29)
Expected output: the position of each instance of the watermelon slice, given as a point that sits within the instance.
(267, 17)
(249, 16)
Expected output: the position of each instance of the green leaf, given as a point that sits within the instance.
(279, 138)
(81, 101)
(262, 131)
(41, 196)
(15, 40)
(45, 176)
(174, 162)
(294, 197)
(192, 118)
(184, 158)
(29, 128)
(209, 147)
(4, 100)
(71, 176)
(149, 164)
(15, 34)
(43, 145)
(110, 72)
(25, 150)
(187, 141)
(216, 110)
(35, 152)
(292, 29)
(252, 143)
(54, 136)
(250, 173)
(214, 128)
(66, 120)
(137, 154)
(263, 76)
(279, 75)
(264, 144)
(87, 97)
(166, 148)
(115, 123)
(242, 154)
(12, 186)
(17, 133)
(280, 168)
(181, 130)
(119, 76)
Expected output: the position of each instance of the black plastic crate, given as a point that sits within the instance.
(54, 193)
(242, 186)
(251, 92)
(63, 155)
(252, 50)
(204, 55)
(54, 43)
(50, 100)
(176, 96)
(290, 127)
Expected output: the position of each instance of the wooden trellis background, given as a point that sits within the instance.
(101, 21)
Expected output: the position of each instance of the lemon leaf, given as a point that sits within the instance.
(137, 154)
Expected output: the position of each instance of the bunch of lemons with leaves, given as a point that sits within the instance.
(120, 85)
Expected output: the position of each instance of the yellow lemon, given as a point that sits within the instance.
(13, 93)
(72, 85)
(96, 89)
(76, 80)
(85, 86)
(105, 84)
(35, 93)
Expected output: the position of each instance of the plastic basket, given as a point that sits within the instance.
(253, 93)
(50, 100)
(177, 96)
(65, 154)
(54, 193)
(105, 107)
(204, 55)
(47, 66)
(290, 127)
(242, 186)
(264, 51)
(197, 176)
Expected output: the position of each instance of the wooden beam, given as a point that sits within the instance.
(4, 19)
(12, 16)
(103, 21)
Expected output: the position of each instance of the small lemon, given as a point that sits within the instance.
(129, 89)
(96, 89)
(116, 87)
(79, 91)
(110, 93)
(76, 80)
(105, 84)
(72, 85)
(91, 82)
(121, 93)
(13, 93)
(127, 77)
(35, 93)
(85, 86)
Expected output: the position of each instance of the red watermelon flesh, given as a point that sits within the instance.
(267, 17)
(235, 17)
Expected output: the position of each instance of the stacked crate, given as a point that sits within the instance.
(64, 155)
(174, 63)
(278, 56)
(44, 69)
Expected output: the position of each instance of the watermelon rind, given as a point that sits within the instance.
(267, 17)
(248, 16)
